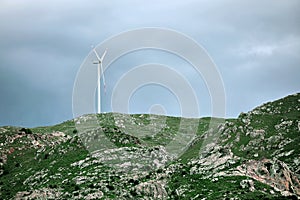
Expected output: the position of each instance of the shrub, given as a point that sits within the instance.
(26, 130)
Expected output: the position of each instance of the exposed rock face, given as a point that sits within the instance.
(272, 172)
(43, 193)
(215, 160)
(128, 159)
(152, 189)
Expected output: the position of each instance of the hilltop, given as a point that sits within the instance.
(141, 156)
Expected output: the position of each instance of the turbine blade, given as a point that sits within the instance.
(103, 78)
(103, 55)
(97, 54)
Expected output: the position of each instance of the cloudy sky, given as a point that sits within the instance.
(254, 44)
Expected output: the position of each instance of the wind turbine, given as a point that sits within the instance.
(100, 70)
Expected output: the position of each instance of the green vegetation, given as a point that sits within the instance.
(243, 158)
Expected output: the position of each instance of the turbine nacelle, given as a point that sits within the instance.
(97, 62)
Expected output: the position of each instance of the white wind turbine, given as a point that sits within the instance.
(100, 70)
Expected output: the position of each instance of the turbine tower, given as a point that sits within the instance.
(100, 70)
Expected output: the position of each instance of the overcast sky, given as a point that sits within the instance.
(255, 45)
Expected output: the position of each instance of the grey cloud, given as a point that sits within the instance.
(255, 44)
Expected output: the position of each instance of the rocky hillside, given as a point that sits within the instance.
(116, 156)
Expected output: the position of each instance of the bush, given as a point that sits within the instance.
(26, 130)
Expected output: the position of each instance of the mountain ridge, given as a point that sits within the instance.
(252, 156)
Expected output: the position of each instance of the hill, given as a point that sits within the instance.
(118, 156)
